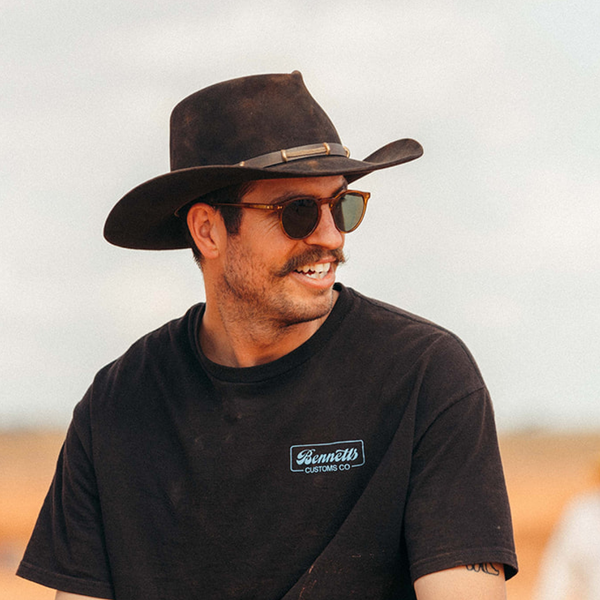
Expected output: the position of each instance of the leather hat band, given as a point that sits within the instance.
(283, 156)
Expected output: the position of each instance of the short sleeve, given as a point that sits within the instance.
(457, 510)
(67, 549)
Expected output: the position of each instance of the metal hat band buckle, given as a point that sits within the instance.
(283, 156)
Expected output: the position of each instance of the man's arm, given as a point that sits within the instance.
(67, 596)
(484, 581)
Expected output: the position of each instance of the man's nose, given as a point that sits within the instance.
(326, 235)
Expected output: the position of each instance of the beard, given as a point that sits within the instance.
(263, 296)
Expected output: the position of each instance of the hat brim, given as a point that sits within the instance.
(145, 217)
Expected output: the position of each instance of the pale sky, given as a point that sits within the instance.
(493, 233)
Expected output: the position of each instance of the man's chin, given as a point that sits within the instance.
(319, 308)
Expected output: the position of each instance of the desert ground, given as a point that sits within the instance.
(543, 472)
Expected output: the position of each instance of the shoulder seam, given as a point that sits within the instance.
(421, 320)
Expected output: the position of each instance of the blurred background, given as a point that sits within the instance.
(493, 233)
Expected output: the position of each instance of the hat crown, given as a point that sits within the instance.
(240, 119)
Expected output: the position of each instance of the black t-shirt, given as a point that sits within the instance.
(362, 460)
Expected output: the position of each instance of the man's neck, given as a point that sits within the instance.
(237, 342)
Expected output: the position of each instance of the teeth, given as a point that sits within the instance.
(315, 271)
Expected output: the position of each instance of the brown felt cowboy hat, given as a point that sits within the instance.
(257, 127)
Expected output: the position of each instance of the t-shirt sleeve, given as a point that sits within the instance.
(67, 550)
(457, 510)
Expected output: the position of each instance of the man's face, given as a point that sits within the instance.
(273, 278)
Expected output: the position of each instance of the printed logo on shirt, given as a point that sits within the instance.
(327, 458)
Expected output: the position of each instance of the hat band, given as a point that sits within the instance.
(283, 156)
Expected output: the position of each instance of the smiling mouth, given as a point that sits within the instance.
(317, 271)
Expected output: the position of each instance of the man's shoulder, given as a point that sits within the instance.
(380, 307)
(162, 346)
(134, 388)
(391, 330)
(376, 313)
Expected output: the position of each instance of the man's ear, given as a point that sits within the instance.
(207, 229)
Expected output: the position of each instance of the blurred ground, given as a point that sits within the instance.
(543, 472)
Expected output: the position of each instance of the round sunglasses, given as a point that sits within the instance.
(299, 217)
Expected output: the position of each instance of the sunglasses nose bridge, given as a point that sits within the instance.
(326, 233)
(331, 204)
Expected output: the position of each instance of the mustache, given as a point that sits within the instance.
(311, 256)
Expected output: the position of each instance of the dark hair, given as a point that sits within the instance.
(232, 215)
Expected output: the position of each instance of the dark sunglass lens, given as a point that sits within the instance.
(348, 212)
(299, 217)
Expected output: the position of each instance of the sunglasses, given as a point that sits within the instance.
(299, 217)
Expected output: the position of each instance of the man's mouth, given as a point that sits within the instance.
(316, 271)
(309, 264)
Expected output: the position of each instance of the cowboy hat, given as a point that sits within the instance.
(257, 127)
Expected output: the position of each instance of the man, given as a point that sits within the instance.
(289, 438)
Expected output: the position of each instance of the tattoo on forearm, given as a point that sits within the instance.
(487, 568)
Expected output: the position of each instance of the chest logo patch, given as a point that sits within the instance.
(324, 458)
